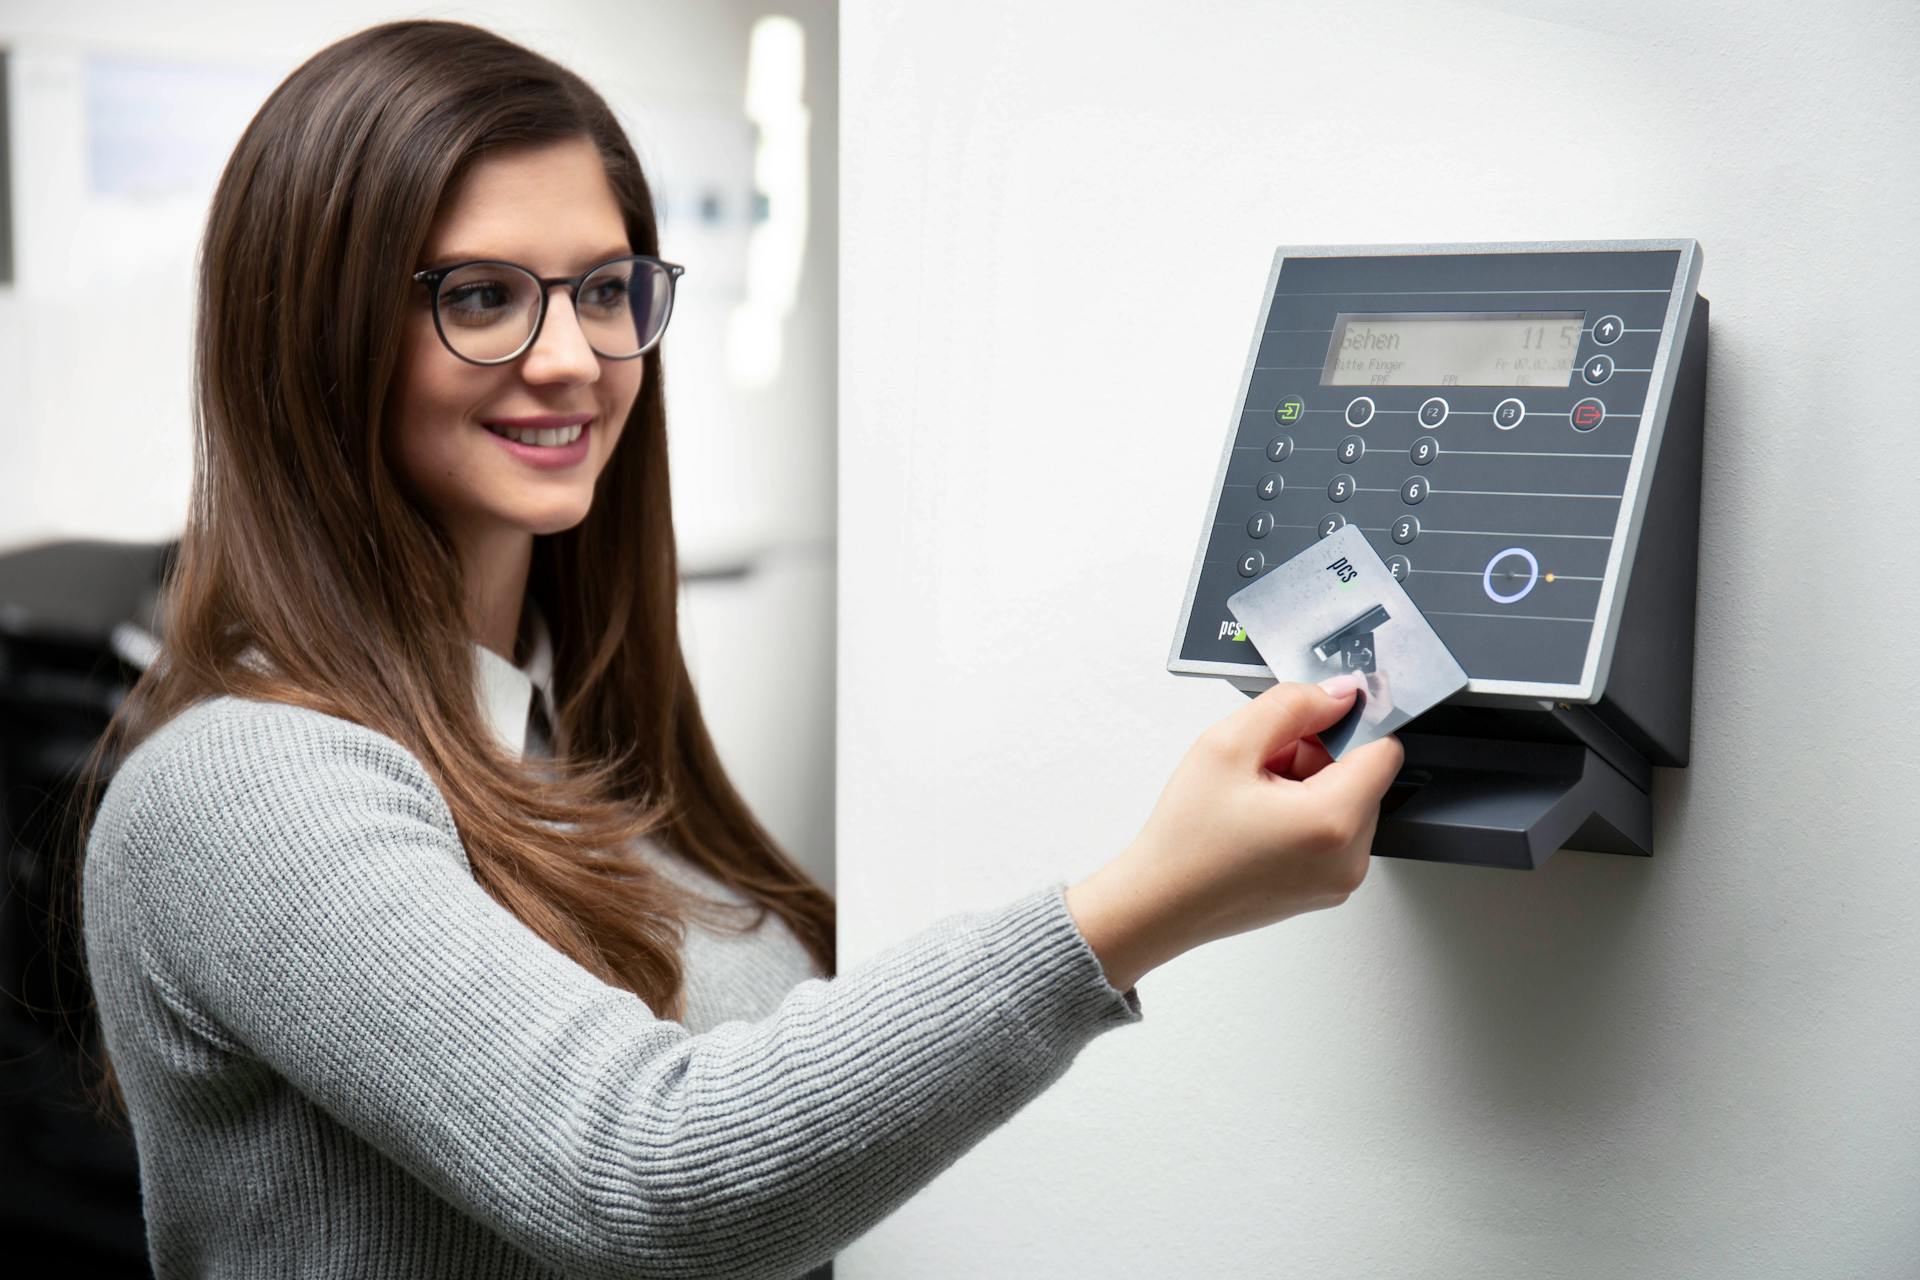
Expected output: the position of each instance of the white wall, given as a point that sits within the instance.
(95, 332)
(1706, 1064)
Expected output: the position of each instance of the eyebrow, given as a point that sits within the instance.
(591, 260)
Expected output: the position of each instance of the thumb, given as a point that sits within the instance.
(1361, 776)
(1284, 714)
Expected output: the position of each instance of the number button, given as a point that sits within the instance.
(1289, 411)
(1424, 450)
(1251, 563)
(1508, 413)
(1433, 412)
(1399, 567)
(1340, 488)
(1269, 486)
(1260, 525)
(1360, 411)
(1279, 449)
(1415, 490)
(1351, 448)
(1331, 524)
(1406, 529)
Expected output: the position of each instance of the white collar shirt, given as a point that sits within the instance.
(507, 691)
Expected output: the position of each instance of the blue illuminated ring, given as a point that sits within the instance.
(1533, 575)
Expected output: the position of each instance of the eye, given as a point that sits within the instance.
(606, 293)
(484, 294)
(476, 299)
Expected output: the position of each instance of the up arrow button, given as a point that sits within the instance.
(1607, 330)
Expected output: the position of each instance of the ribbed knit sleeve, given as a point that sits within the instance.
(300, 896)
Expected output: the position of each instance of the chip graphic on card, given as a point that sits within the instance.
(1336, 608)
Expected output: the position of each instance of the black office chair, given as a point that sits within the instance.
(77, 624)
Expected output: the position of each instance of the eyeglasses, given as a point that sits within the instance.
(490, 312)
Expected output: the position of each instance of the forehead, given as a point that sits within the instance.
(548, 207)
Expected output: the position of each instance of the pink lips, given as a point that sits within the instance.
(548, 457)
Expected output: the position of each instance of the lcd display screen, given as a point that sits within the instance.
(1454, 349)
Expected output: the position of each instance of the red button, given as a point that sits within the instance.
(1587, 414)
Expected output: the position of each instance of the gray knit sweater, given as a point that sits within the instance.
(342, 1057)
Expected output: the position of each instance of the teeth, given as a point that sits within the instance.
(556, 436)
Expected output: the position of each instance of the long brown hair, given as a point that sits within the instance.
(300, 544)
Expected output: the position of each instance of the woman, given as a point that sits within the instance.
(413, 909)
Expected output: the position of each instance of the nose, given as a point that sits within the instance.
(561, 353)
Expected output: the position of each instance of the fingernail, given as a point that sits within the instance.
(1344, 683)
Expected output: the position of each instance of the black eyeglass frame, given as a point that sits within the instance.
(434, 277)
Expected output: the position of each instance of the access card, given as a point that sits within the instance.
(1336, 607)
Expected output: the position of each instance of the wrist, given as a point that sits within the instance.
(1121, 919)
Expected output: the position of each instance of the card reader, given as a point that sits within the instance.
(1516, 428)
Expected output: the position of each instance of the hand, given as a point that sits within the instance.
(1257, 823)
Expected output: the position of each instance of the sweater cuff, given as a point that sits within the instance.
(1056, 990)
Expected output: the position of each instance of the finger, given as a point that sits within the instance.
(1310, 759)
(1282, 761)
(1284, 713)
(1361, 776)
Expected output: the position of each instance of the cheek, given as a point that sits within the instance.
(622, 392)
(426, 411)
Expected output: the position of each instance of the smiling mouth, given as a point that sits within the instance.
(549, 438)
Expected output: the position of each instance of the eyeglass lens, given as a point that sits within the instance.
(488, 309)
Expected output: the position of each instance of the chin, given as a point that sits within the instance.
(553, 521)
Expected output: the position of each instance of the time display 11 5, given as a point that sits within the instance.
(1453, 349)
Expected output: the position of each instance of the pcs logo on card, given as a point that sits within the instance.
(1342, 569)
